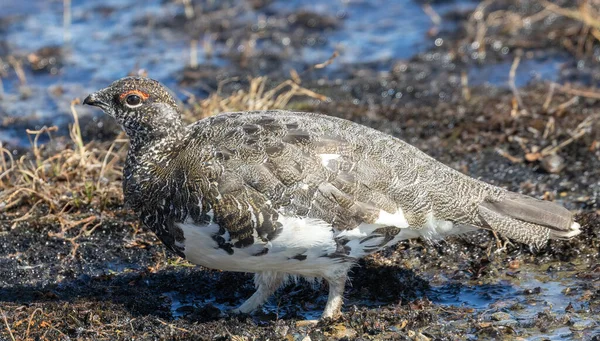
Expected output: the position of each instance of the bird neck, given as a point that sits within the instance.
(155, 136)
(150, 157)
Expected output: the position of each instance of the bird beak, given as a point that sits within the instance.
(96, 100)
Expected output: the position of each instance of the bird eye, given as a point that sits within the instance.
(133, 101)
(133, 98)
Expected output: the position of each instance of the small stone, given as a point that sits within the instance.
(399, 327)
(417, 336)
(517, 306)
(569, 308)
(507, 323)
(582, 325)
(282, 330)
(501, 316)
(340, 331)
(553, 163)
(531, 157)
(534, 291)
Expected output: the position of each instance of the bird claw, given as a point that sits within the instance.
(503, 247)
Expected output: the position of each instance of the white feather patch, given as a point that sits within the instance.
(311, 239)
(387, 219)
(304, 233)
(326, 158)
(436, 229)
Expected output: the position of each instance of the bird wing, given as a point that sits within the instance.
(276, 166)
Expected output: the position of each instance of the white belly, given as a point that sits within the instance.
(301, 248)
(304, 246)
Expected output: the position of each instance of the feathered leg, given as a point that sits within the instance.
(266, 284)
(337, 283)
(333, 309)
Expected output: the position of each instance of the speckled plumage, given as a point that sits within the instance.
(278, 193)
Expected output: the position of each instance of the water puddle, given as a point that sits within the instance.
(520, 302)
(121, 267)
(476, 297)
(510, 303)
(374, 31)
(110, 38)
(104, 45)
(182, 304)
(546, 68)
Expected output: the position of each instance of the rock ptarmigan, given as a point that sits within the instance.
(281, 193)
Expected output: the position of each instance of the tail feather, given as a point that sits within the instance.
(539, 212)
(528, 220)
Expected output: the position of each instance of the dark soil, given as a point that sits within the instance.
(119, 283)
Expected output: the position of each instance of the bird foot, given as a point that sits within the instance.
(236, 311)
(502, 248)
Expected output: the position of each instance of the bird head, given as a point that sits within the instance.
(144, 108)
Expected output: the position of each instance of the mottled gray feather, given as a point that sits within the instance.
(521, 231)
(533, 211)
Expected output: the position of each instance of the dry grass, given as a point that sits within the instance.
(577, 29)
(60, 179)
(586, 14)
(34, 322)
(257, 97)
(579, 36)
(57, 179)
